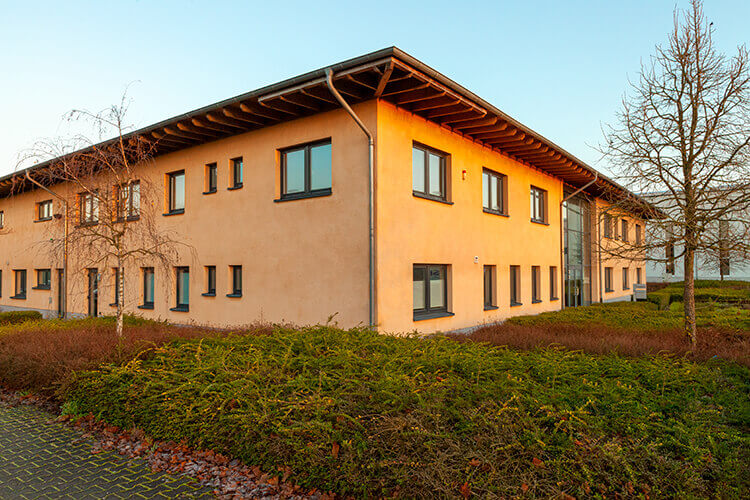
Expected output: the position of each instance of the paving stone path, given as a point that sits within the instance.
(44, 459)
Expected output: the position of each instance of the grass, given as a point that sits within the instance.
(368, 415)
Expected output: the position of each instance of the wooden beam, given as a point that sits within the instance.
(489, 128)
(417, 95)
(243, 117)
(255, 109)
(349, 89)
(479, 122)
(505, 132)
(212, 126)
(321, 94)
(509, 146)
(384, 80)
(465, 116)
(225, 120)
(400, 87)
(282, 106)
(182, 133)
(359, 81)
(163, 137)
(434, 103)
(299, 102)
(190, 128)
(533, 147)
(448, 110)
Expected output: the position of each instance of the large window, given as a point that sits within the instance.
(148, 288)
(430, 290)
(88, 205)
(494, 189)
(429, 173)
(210, 281)
(538, 205)
(176, 192)
(182, 275)
(43, 279)
(553, 283)
(608, 286)
(306, 171)
(211, 179)
(624, 231)
(515, 286)
(490, 294)
(44, 210)
(626, 278)
(236, 275)
(19, 291)
(536, 284)
(129, 200)
(236, 171)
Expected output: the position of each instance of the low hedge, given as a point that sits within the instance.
(369, 415)
(729, 292)
(17, 317)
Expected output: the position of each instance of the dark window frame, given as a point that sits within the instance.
(308, 192)
(537, 193)
(236, 179)
(429, 312)
(553, 283)
(211, 178)
(639, 276)
(19, 292)
(86, 199)
(515, 286)
(39, 206)
(608, 277)
(2, 219)
(444, 163)
(536, 284)
(626, 278)
(126, 209)
(489, 273)
(171, 188)
(638, 234)
(502, 194)
(210, 282)
(43, 284)
(624, 230)
(148, 271)
(181, 306)
(236, 275)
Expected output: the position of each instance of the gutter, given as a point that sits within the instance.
(371, 187)
(562, 238)
(64, 294)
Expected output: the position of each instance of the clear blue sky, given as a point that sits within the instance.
(558, 67)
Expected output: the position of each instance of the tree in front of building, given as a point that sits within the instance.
(683, 139)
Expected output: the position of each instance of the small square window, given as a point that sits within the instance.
(44, 210)
(43, 279)
(430, 290)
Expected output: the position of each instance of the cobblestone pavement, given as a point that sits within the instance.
(44, 459)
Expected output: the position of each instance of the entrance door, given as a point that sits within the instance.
(93, 293)
(60, 292)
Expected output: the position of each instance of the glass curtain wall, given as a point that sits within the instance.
(577, 252)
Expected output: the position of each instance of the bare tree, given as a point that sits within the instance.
(113, 205)
(683, 139)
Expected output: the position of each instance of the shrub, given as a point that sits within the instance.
(369, 415)
(16, 317)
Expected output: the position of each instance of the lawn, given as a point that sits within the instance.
(369, 415)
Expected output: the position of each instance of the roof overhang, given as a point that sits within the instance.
(389, 74)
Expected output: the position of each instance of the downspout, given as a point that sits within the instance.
(371, 187)
(64, 294)
(562, 237)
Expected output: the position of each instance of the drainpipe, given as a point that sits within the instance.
(371, 186)
(64, 294)
(562, 237)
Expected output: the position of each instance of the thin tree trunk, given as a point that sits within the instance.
(120, 299)
(689, 298)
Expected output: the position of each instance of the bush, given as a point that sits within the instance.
(731, 292)
(17, 317)
(368, 415)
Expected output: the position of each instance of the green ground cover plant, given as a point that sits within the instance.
(729, 292)
(368, 415)
(15, 317)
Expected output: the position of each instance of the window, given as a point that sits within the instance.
(129, 201)
(211, 179)
(236, 164)
(210, 281)
(176, 192)
(116, 281)
(608, 223)
(20, 284)
(638, 235)
(236, 281)
(536, 284)
(624, 232)
(44, 210)
(608, 280)
(490, 299)
(2, 219)
(148, 288)
(88, 205)
(43, 279)
(538, 205)
(182, 275)
(625, 278)
(638, 275)
(430, 291)
(553, 283)
(670, 258)
(306, 171)
(515, 285)
(494, 192)
(428, 173)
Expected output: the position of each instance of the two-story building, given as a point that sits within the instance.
(376, 191)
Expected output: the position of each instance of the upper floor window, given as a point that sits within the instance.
(607, 226)
(176, 192)
(638, 234)
(44, 210)
(43, 279)
(430, 290)
(20, 284)
(494, 191)
(211, 178)
(429, 173)
(88, 205)
(129, 200)
(624, 231)
(236, 164)
(2, 219)
(538, 205)
(306, 171)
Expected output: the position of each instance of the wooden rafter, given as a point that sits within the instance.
(225, 120)
(384, 79)
(196, 130)
(263, 112)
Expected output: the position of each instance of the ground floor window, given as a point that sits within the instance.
(625, 278)
(430, 290)
(608, 280)
(553, 283)
(490, 299)
(515, 286)
(20, 284)
(536, 284)
(43, 279)
(236, 272)
(638, 275)
(148, 287)
(182, 275)
(210, 281)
